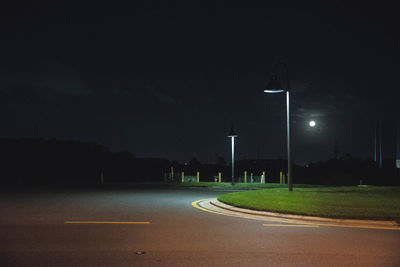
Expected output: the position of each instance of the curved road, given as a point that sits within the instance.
(160, 227)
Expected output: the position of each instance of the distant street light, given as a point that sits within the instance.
(274, 86)
(233, 135)
(312, 123)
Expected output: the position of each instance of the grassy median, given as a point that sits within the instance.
(381, 203)
(237, 186)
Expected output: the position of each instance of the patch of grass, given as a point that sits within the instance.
(238, 186)
(381, 203)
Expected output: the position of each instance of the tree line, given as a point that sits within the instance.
(39, 161)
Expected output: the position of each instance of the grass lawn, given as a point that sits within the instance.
(238, 186)
(372, 202)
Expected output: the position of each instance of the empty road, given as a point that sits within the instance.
(160, 227)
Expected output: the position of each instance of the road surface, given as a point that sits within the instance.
(160, 227)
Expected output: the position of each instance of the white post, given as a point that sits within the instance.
(289, 174)
(233, 158)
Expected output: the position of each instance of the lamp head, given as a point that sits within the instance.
(232, 132)
(274, 85)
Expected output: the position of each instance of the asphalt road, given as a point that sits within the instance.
(51, 228)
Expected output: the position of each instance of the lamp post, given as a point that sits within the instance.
(274, 86)
(233, 135)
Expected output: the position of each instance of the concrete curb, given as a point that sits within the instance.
(309, 219)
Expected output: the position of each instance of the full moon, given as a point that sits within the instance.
(312, 123)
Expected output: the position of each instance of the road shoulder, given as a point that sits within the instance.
(217, 207)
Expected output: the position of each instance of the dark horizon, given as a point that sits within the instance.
(35, 145)
(37, 162)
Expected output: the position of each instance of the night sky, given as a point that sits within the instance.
(166, 79)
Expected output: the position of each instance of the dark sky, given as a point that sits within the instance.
(164, 79)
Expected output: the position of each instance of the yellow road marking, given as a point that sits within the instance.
(107, 222)
(194, 204)
(291, 225)
(363, 226)
(337, 225)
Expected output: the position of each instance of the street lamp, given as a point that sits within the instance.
(274, 86)
(233, 135)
